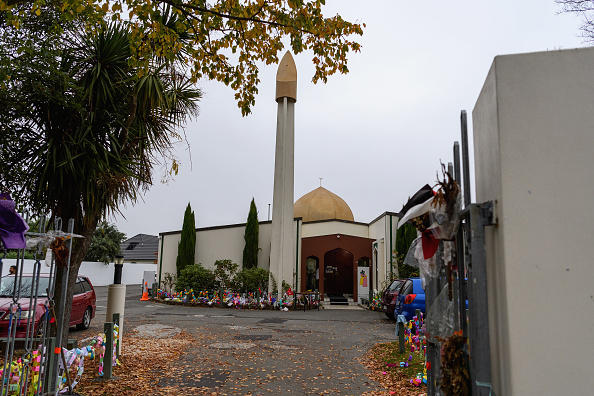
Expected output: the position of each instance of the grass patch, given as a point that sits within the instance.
(383, 362)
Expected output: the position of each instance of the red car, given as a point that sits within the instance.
(390, 297)
(83, 303)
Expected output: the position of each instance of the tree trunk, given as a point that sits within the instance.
(79, 250)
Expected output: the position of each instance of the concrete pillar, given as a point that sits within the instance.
(282, 253)
(116, 302)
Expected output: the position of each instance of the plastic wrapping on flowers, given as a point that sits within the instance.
(441, 316)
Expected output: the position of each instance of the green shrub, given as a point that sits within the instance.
(286, 287)
(225, 273)
(252, 279)
(195, 277)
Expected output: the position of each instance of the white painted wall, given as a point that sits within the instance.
(377, 231)
(335, 227)
(217, 243)
(534, 155)
(99, 273)
(380, 232)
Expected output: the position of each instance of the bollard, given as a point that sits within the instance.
(108, 357)
(50, 385)
(116, 322)
(401, 336)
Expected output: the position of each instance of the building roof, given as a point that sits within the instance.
(140, 247)
(321, 204)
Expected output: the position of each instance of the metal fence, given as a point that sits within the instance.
(33, 357)
(468, 282)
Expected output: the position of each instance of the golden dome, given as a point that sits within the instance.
(321, 204)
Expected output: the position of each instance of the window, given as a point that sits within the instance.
(395, 285)
(86, 285)
(131, 245)
(7, 286)
(78, 288)
(407, 288)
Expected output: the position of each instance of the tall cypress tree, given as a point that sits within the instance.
(186, 250)
(404, 238)
(250, 251)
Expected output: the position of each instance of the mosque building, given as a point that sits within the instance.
(314, 244)
(332, 253)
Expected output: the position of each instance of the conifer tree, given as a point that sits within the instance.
(250, 251)
(186, 250)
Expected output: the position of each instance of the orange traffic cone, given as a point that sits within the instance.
(145, 296)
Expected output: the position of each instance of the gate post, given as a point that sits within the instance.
(108, 357)
(480, 349)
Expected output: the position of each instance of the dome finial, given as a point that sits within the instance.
(286, 78)
(321, 178)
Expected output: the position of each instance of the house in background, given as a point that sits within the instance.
(140, 249)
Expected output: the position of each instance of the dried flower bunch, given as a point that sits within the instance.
(60, 251)
(455, 378)
(447, 193)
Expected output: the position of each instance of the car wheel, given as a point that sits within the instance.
(86, 320)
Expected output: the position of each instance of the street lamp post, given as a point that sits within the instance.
(117, 273)
(116, 298)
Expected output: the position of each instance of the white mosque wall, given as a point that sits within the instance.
(167, 254)
(216, 243)
(533, 141)
(379, 230)
(320, 228)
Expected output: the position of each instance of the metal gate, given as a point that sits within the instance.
(33, 359)
(469, 281)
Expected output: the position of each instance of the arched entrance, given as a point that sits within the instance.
(338, 272)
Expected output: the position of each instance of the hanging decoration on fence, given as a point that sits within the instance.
(12, 225)
(455, 379)
(441, 321)
(435, 215)
(31, 366)
(60, 251)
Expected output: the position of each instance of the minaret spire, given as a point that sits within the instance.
(282, 250)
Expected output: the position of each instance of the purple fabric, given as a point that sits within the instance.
(12, 225)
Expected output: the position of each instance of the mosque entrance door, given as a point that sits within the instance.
(338, 273)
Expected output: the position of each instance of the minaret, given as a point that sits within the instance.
(282, 250)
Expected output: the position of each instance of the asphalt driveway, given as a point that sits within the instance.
(262, 352)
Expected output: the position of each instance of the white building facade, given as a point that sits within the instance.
(331, 251)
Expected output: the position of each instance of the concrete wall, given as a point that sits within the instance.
(99, 273)
(534, 155)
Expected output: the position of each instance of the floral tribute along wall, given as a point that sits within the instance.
(229, 299)
(25, 372)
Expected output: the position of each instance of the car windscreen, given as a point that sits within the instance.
(7, 286)
(395, 285)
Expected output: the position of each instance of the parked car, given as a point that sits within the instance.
(83, 303)
(390, 297)
(410, 298)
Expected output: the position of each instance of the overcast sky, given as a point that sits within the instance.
(375, 135)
